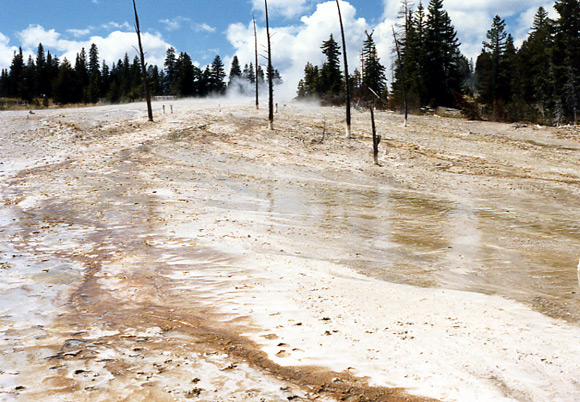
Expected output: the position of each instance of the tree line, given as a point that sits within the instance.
(46, 78)
(540, 82)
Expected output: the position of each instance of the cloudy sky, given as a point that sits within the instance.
(224, 27)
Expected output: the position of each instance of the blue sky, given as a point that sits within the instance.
(204, 29)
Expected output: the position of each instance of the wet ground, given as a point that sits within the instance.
(130, 251)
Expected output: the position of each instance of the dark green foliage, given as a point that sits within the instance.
(89, 81)
(539, 82)
(81, 81)
(261, 77)
(236, 81)
(235, 70)
(170, 71)
(536, 72)
(184, 79)
(61, 91)
(442, 70)
(325, 82)
(566, 60)
(373, 76)
(330, 78)
(218, 74)
(308, 86)
(496, 70)
(94, 71)
(249, 73)
(431, 62)
(17, 77)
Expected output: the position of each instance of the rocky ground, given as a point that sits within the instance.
(205, 257)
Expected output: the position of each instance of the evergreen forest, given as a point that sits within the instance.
(539, 82)
(45, 78)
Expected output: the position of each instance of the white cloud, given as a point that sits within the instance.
(115, 25)
(204, 28)
(178, 22)
(391, 9)
(78, 33)
(175, 23)
(286, 8)
(35, 34)
(6, 51)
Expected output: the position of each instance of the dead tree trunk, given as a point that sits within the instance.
(256, 66)
(401, 69)
(270, 73)
(143, 65)
(376, 138)
(346, 76)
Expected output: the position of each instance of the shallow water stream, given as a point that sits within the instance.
(458, 238)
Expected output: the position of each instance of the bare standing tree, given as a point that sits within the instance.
(270, 73)
(346, 76)
(143, 65)
(256, 66)
(376, 138)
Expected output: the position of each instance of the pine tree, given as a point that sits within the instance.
(411, 40)
(249, 73)
(136, 90)
(170, 71)
(536, 68)
(4, 78)
(496, 47)
(261, 77)
(94, 71)
(218, 76)
(373, 76)
(442, 57)
(27, 83)
(508, 83)
(63, 92)
(235, 82)
(16, 74)
(185, 76)
(155, 78)
(105, 78)
(309, 86)
(356, 84)
(42, 77)
(276, 77)
(81, 77)
(330, 79)
(52, 65)
(497, 73)
(205, 86)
